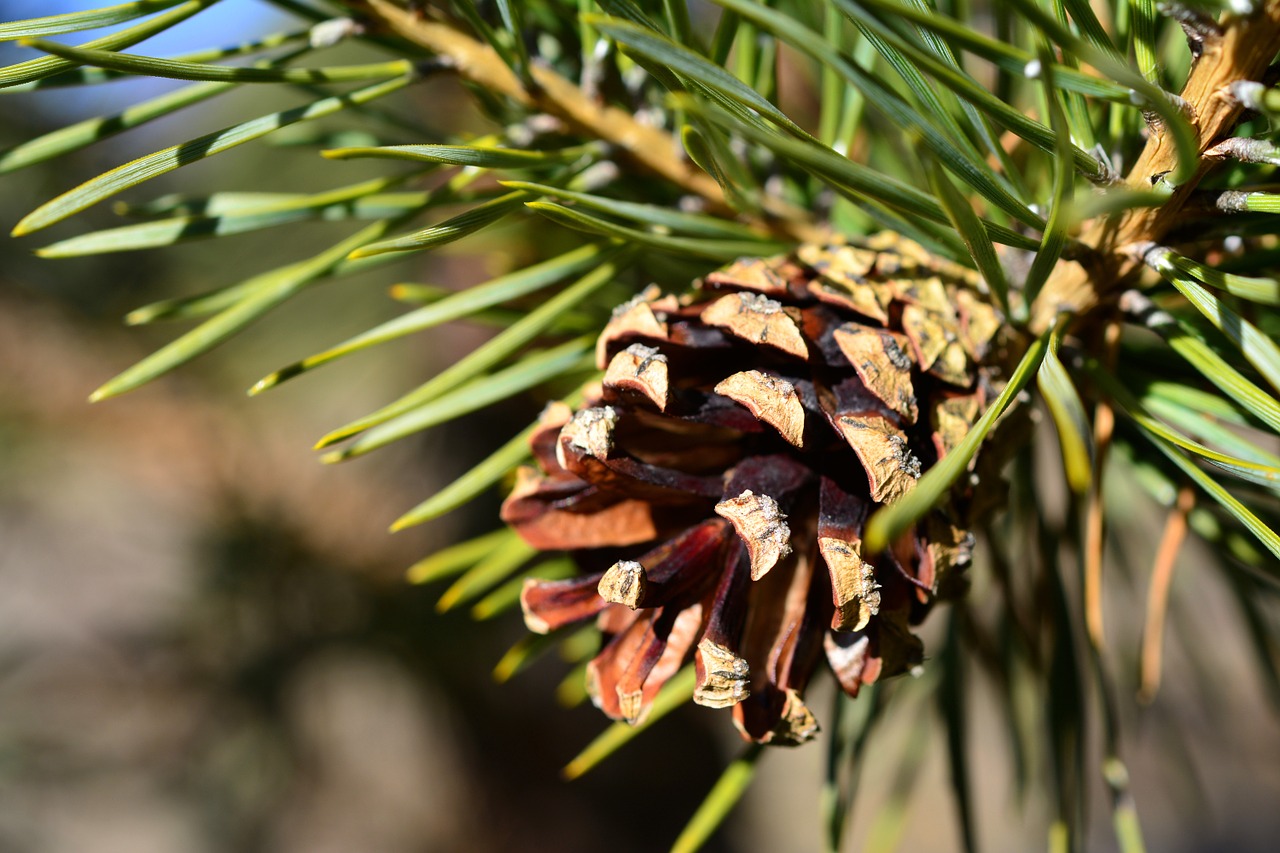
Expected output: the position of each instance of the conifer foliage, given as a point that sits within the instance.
(806, 285)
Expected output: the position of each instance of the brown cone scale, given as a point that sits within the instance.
(728, 462)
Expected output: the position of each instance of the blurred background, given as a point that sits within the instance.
(206, 641)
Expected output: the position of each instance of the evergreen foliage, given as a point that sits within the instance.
(1106, 168)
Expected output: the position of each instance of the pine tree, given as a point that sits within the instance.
(787, 273)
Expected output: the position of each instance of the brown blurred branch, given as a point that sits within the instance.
(1175, 532)
(650, 149)
(1104, 422)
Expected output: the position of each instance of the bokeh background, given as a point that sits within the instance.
(206, 641)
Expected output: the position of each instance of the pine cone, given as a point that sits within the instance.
(719, 479)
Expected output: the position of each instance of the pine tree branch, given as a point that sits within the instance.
(647, 148)
(1241, 51)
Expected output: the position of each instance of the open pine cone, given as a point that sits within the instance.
(719, 480)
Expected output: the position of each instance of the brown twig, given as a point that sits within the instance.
(1241, 51)
(1104, 421)
(1175, 532)
(650, 149)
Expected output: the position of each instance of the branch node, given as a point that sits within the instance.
(1245, 150)
(1198, 27)
(331, 32)
(434, 65)
(1246, 93)
(1109, 176)
(1232, 201)
(1141, 310)
(1150, 253)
